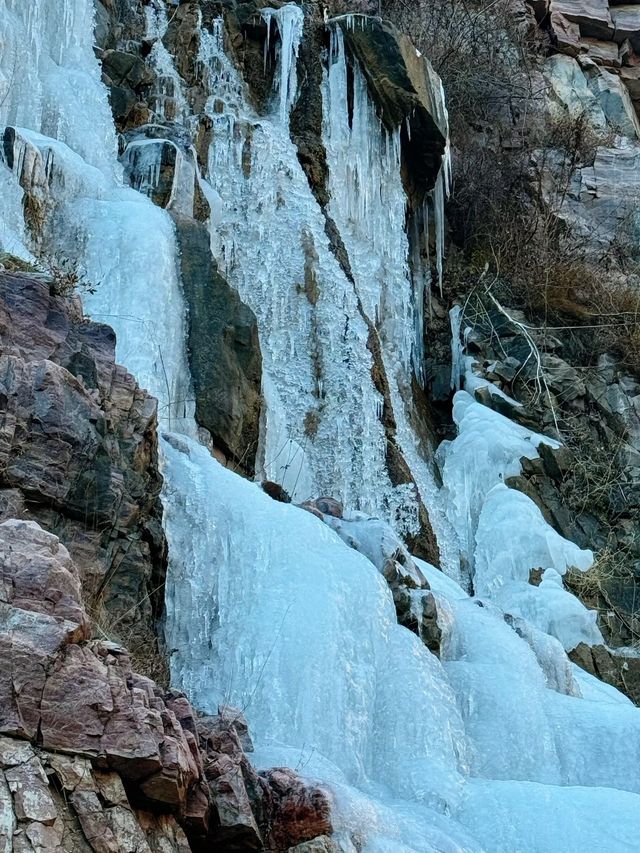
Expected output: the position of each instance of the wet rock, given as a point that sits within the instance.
(159, 161)
(275, 491)
(377, 540)
(615, 668)
(224, 350)
(419, 612)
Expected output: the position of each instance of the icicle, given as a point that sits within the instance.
(169, 103)
(438, 195)
(290, 21)
(457, 350)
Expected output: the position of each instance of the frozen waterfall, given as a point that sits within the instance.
(501, 745)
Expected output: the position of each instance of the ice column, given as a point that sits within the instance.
(289, 20)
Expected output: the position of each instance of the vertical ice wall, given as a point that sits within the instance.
(45, 61)
(368, 204)
(323, 429)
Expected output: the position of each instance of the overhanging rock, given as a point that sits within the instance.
(406, 90)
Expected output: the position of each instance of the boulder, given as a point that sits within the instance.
(299, 811)
(566, 34)
(324, 506)
(571, 92)
(274, 810)
(77, 696)
(614, 99)
(275, 491)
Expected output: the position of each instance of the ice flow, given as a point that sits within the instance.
(501, 745)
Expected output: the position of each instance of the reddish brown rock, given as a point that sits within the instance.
(78, 446)
(77, 696)
(232, 783)
(275, 491)
(37, 574)
(299, 811)
(324, 506)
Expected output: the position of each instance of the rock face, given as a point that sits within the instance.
(404, 86)
(61, 804)
(224, 350)
(74, 695)
(614, 668)
(96, 757)
(78, 448)
(606, 33)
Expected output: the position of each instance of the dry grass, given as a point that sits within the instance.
(137, 637)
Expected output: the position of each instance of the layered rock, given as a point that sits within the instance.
(62, 804)
(606, 33)
(96, 757)
(78, 448)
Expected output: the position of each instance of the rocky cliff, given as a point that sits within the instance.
(79, 452)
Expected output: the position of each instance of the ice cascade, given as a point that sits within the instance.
(499, 745)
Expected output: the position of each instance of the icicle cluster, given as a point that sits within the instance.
(289, 20)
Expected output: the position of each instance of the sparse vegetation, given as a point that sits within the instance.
(11, 263)
(65, 276)
(136, 636)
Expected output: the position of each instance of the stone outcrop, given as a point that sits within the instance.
(224, 350)
(73, 695)
(406, 90)
(620, 670)
(602, 32)
(62, 804)
(94, 757)
(78, 448)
